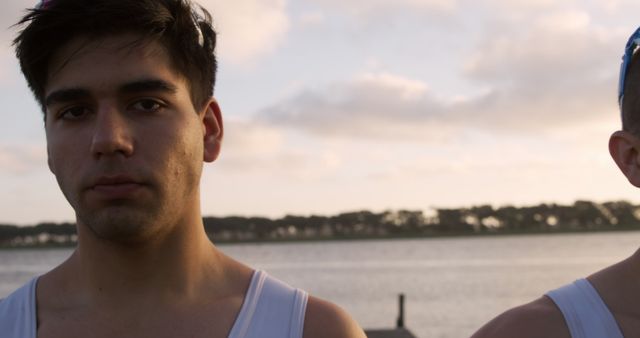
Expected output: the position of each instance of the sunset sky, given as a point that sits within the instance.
(341, 105)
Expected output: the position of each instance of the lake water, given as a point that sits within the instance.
(452, 285)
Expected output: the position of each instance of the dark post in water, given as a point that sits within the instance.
(400, 321)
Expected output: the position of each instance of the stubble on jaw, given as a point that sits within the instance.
(123, 224)
(135, 222)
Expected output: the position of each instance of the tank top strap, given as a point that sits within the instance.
(297, 314)
(270, 308)
(18, 312)
(584, 311)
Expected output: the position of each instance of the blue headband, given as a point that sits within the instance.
(629, 50)
(43, 4)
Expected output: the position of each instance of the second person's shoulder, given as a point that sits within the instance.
(325, 319)
(540, 318)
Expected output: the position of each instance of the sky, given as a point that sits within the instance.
(341, 105)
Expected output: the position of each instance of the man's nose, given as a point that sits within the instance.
(112, 134)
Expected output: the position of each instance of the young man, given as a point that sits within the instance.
(605, 304)
(126, 88)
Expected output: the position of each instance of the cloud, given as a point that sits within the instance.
(551, 45)
(249, 138)
(10, 13)
(620, 8)
(557, 72)
(252, 147)
(373, 105)
(312, 18)
(366, 8)
(530, 85)
(246, 144)
(383, 106)
(248, 29)
(18, 160)
(559, 69)
(524, 5)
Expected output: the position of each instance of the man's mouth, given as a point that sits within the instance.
(113, 187)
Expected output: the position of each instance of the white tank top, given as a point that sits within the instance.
(586, 315)
(18, 312)
(271, 309)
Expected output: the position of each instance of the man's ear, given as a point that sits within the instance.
(49, 161)
(624, 148)
(213, 130)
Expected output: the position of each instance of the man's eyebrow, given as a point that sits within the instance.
(66, 95)
(72, 94)
(147, 86)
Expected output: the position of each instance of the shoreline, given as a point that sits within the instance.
(366, 238)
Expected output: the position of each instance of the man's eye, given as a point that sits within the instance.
(74, 113)
(147, 105)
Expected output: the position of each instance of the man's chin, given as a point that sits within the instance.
(120, 225)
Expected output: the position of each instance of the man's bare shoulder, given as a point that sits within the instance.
(324, 319)
(540, 318)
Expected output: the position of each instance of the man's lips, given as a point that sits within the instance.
(114, 180)
(116, 186)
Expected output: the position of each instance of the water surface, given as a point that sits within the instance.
(452, 285)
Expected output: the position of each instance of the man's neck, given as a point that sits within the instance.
(172, 266)
(179, 286)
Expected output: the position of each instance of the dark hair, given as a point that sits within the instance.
(631, 103)
(186, 34)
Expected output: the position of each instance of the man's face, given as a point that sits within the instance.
(124, 141)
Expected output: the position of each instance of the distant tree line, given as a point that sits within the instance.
(484, 219)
